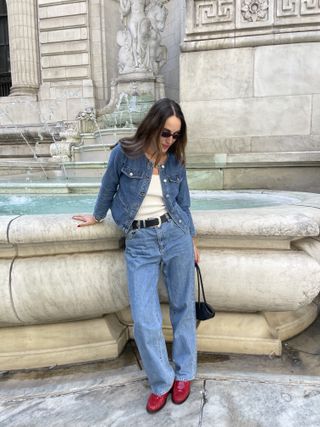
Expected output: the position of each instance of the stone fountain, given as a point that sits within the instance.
(63, 289)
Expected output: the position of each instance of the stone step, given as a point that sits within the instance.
(96, 146)
(22, 149)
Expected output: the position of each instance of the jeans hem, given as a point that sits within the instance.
(184, 379)
(161, 394)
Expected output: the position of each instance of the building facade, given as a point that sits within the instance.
(245, 71)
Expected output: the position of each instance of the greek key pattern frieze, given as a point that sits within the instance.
(288, 7)
(298, 8)
(310, 7)
(218, 17)
(213, 12)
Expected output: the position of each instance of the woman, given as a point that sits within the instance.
(145, 186)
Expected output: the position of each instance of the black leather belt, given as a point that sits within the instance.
(152, 222)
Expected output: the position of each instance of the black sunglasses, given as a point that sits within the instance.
(166, 134)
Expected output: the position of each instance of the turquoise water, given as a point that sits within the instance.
(80, 203)
(46, 204)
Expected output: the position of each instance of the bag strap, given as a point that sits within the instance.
(200, 284)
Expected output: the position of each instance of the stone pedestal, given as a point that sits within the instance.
(62, 343)
(132, 95)
(244, 333)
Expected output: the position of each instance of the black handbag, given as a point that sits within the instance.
(204, 311)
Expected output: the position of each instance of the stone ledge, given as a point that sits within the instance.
(253, 160)
(61, 343)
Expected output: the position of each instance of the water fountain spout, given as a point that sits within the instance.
(65, 135)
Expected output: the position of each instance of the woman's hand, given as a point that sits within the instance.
(85, 220)
(196, 252)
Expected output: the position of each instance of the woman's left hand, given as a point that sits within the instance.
(196, 252)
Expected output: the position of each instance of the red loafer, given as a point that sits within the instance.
(155, 403)
(181, 391)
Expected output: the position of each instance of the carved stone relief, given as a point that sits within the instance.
(310, 7)
(254, 13)
(255, 10)
(211, 12)
(140, 40)
(288, 7)
(298, 8)
(218, 19)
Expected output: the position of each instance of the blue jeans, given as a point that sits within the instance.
(147, 249)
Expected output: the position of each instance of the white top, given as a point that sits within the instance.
(152, 205)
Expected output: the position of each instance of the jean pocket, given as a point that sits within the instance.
(131, 234)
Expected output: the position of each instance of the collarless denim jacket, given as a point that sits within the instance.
(126, 182)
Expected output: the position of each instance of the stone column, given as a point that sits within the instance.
(23, 40)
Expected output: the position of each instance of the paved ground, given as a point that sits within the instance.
(230, 391)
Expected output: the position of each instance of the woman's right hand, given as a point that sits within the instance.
(85, 220)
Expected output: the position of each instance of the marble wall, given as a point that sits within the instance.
(256, 99)
(256, 73)
(249, 84)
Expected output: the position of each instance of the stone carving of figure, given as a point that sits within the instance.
(157, 15)
(132, 16)
(126, 62)
(140, 41)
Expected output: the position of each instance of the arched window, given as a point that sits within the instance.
(5, 75)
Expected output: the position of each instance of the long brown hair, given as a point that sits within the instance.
(149, 131)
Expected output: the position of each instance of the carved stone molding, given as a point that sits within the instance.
(216, 24)
(310, 7)
(216, 11)
(298, 8)
(203, 15)
(288, 8)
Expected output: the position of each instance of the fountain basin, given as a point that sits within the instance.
(77, 197)
(260, 267)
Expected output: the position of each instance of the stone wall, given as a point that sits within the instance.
(172, 37)
(249, 76)
(250, 87)
(64, 56)
(253, 99)
(67, 86)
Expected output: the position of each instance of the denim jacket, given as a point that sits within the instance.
(126, 182)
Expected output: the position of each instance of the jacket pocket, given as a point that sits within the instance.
(130, 186)
(174, 185)
(176, 179)
(132, 173)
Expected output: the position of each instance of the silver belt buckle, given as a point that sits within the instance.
(159, 222)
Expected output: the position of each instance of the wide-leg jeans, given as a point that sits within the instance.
(147, 250)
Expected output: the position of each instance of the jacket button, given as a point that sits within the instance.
(162, 166)
(167, 195)
(164, 180)
(130, 173)
(180, 221)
